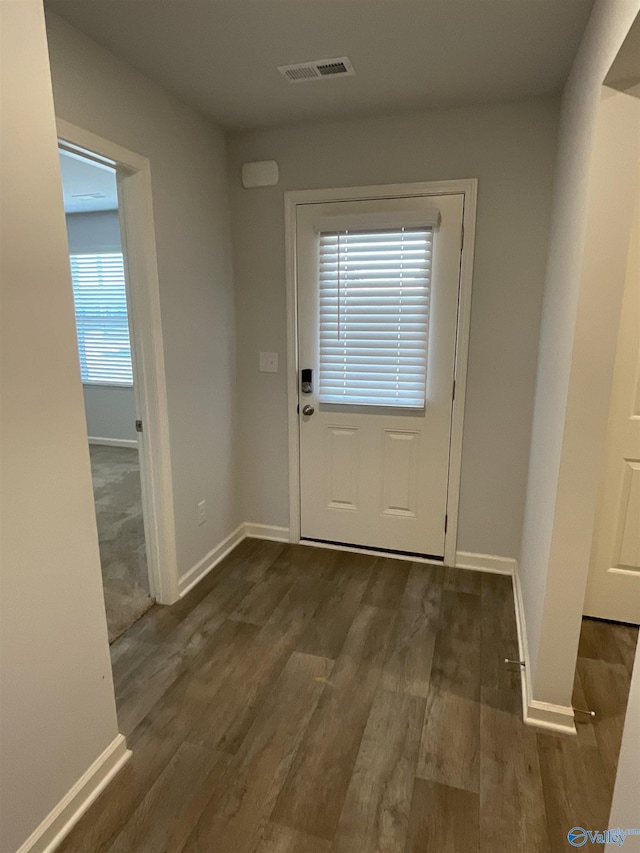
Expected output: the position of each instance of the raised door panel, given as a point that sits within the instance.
(343, 468)
(628, 537)
(401, 454)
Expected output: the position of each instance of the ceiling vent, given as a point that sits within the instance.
(320, 69)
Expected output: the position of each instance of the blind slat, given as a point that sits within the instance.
(102, 324)
(374, 316)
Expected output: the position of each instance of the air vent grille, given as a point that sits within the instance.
(302, 72)
(332, 68)
(319, 69)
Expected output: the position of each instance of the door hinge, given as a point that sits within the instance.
(298, 408)
(453, 393)
(461, 237)
(446, 523)
(138, 426)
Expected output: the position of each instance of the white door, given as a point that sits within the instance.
(378, 285)
(613, 587)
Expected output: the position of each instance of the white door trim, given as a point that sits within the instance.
(147, 352)
(467, 187)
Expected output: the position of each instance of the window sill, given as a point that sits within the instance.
(108, 385)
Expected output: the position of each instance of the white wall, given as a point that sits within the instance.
(57, 707)
(510, 148)
(110, 409)
(102, 94)
(577, 351)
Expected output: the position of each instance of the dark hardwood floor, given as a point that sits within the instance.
(302, 700)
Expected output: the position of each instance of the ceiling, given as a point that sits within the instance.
(221, 56)
(624, 74)
(82, 178)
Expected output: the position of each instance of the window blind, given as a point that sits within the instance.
(374, 316)
(101, 318)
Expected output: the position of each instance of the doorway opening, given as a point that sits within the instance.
(613, 583)
(379, 297)
(611, 609)
(104, 334)
(121, 352)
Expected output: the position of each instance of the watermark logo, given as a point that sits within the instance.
(578, 836)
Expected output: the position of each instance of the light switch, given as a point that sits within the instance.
(268, 362)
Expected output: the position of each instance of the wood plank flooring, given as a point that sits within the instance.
(303, 700)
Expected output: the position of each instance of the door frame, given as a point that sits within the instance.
(135, 210)
(467, 187)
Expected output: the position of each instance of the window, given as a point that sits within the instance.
(374, 316)
(101, 318)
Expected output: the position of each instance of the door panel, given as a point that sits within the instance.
(628, 532)
(400, 467)
(613, 587)
(343, 457)
(373, 475)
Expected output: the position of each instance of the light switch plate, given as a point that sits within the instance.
(268, 362)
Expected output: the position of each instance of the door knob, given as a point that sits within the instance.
(308, 411)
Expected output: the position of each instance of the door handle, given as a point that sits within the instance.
(308, 411)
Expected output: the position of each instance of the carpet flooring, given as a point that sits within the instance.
(118, 501)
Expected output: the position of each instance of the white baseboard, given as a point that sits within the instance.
(485, 563)
(555, 718)
(266, 531)
(543, 715)
(187, 581)
(113, 442)
(61, 820)
(523, 646)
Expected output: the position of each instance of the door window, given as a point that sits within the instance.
(374, 290)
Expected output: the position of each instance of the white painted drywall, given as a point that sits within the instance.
(510, 148)
(625, 807)
(110, 410)
(97, 91)
(577, 351)
(57, 708)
